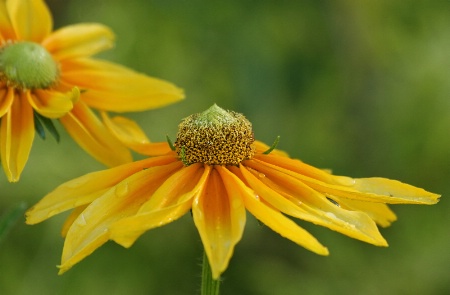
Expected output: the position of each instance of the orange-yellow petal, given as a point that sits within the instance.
(93, 136)
(277, 221)
(6, 99)
(85, 189)
(379, 190)
(81, 40)
(16, 137)
(31, 19)
(169, 202)
(6, 29)
(132, 136)
(294, 198)
(112, 87)
(380, 213)
(219, 217)
(90, 229)
(53, 104)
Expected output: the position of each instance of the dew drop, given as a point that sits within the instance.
(236, 204)
(122, 189)
(331, 215)
(81, 220)
(257, 197)
(261, 175)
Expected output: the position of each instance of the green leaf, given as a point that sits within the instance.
(48, 123)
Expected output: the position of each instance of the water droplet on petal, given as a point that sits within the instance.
(121, 189)
(261, 175)
(81, 220)
(257, 197)
(330, 215)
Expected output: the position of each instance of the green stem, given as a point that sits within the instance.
(209, 285)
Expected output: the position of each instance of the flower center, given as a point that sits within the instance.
(215, 137)
(27, 65)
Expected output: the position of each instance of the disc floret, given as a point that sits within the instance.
(215, 137)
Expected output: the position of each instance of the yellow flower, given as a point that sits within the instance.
(218, 171)
(43, 72)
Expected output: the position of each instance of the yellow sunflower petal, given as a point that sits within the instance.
(111, 87)
(131, 135)
(171, 201)
(85, 189)
(93, 136)
(219, 216)
(294, 198)
(380, 213)
(16, 137)
(6, 100)
(31, 19)
(52, 104)
(81, 40)
(379, 190)
(90, 229)
(6, 29)
(277, 221)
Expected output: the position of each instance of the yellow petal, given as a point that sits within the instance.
(90, 229)
(6, 99)
(6, 29)
(52, 104)
(85, 189)
(111, 87)
(93, 136)
(294, 198)
(16, 137)
(277, 221)
(81, 40)
(219, 216)
(380, 213)
(169, 202)
(379, 190)
(31, 19)
(132, 136)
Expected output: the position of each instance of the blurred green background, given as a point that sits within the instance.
(361, 87)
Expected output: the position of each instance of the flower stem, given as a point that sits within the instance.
(209, 285)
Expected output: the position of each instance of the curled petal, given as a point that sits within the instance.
(85, 189)
(81, 40)
(52, 104)
(112, 87)
(169, 202)
(219, 215)
(16, 137)
(93, 136)
(6, 99)
(31, 19)
(132, 136)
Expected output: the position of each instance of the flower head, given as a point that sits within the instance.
(218, 171)
(46, 74)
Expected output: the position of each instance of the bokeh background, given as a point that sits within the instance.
(361, 87)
